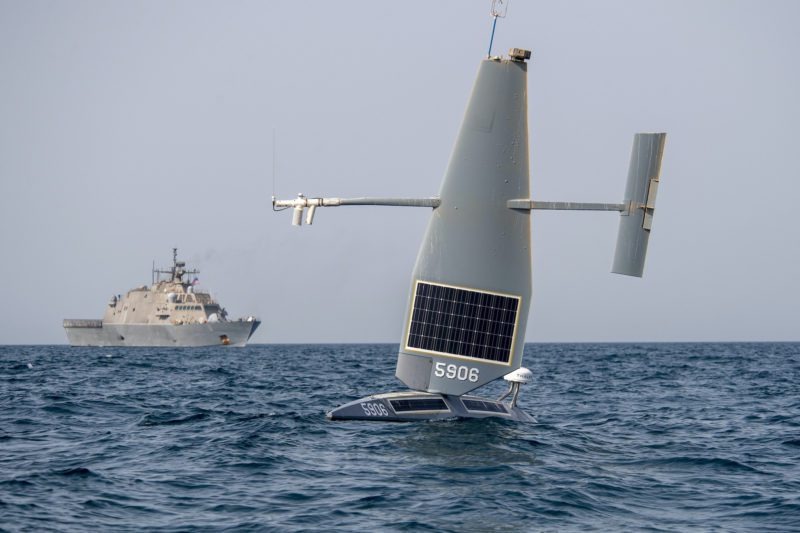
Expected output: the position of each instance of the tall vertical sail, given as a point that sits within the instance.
(471, 285)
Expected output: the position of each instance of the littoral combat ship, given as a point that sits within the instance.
(168, 313)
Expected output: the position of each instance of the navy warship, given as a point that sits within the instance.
(170, 312)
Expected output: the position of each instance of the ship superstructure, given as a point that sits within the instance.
(170, 312)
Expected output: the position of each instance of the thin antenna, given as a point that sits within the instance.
(274, 135)
(273, 163)
(499, 9)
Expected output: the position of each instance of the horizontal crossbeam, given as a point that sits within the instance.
(302, 201)
(564, 206)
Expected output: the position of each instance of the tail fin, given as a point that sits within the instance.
(640, 198)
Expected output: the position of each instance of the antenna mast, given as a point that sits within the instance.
(274, 135)
(499, 9)
(273, 162)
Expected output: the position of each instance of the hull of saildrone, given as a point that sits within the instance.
(413, 406)
(95, 333)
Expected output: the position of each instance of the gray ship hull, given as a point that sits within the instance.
(209, 334)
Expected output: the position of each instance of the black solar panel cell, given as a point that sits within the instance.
(418, 404)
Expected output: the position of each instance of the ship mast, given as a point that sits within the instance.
(177, 271)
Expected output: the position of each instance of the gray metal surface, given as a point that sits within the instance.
(398, 202)
(636, 221)
(234, 334)
(522, 203)
(83, 323)
(473, 240)
(302, 201)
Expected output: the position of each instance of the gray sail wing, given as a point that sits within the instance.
(471, 285)
(640, 198)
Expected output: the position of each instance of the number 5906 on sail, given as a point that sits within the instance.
(459, 372)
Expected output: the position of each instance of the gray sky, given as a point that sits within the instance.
(127, 128)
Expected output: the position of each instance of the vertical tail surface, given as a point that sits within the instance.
(640, 197)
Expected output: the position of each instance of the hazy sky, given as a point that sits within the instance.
(127, 128)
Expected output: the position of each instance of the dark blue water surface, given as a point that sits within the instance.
(630, 437)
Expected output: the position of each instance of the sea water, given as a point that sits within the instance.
(629, 437)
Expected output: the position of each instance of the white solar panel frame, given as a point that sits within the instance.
(458, 356)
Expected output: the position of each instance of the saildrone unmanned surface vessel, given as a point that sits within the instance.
(471, 285)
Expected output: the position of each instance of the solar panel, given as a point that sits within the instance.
(481, 405)
(418, 404)
(463, 322)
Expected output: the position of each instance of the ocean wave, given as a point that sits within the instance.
(79, 471)
(170, 419)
